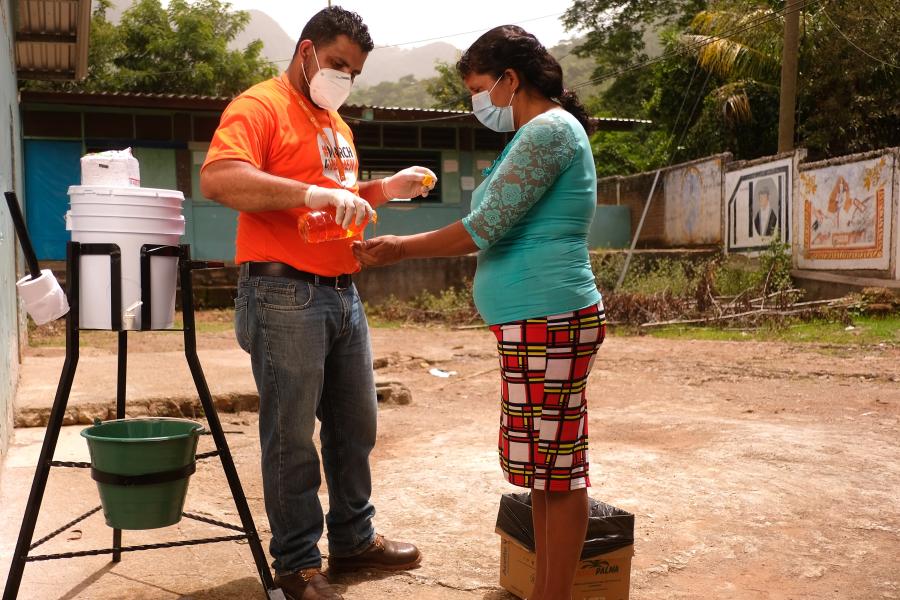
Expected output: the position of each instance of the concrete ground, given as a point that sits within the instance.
(755, 471)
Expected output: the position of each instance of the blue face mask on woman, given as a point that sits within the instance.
(497, 118)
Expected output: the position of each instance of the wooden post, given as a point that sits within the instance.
(789, 59)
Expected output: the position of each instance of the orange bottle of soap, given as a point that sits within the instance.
(318, 226)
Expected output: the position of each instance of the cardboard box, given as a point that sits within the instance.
(602, 577)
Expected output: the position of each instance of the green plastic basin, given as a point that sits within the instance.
(140, 447)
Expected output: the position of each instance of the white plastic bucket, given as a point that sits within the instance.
(112, 210)
(129, 224)
(126, 196)
(124, 224)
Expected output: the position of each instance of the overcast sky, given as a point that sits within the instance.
(410, 23)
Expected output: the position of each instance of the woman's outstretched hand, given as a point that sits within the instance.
(379, 251)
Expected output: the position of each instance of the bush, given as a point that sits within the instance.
(774, 273)
(656, 288)
(734, 279)
(451, 307)
(647, 274)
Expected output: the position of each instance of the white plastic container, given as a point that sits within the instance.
(111, 210)
(126, 220)
(118, 168)
(125, 196)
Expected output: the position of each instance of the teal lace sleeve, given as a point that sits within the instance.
(543, 149)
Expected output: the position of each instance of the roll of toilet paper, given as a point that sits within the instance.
(115, 168)
(44, 299)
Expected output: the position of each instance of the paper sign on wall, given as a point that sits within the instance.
(451, 166)
(467, 183)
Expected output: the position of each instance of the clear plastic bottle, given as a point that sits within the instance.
(319, 226)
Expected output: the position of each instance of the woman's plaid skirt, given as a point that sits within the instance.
(544, 366)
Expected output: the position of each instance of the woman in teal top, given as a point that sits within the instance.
(530, 219)
(534, 285)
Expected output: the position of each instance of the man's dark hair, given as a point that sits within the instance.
(327, 24)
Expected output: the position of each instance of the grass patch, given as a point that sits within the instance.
(866, 331)
(54, 334)
(210, 320)
(375, 320)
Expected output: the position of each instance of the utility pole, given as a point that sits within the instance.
(789, 59)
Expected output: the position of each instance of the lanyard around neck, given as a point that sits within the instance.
(321, 132)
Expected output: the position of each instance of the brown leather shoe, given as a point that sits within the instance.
(382, 554)
(307, 584)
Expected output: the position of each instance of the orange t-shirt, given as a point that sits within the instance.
(266, 127)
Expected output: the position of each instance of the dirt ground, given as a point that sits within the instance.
(755, 471)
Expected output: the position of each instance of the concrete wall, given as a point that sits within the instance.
(686, 208)
(632, 191)
(10, 180)
(840, 215)
(609, 229)
(846, 214)
(409, 279)
(758, 202)
(693, 197)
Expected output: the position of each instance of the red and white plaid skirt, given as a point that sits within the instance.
(544, 366)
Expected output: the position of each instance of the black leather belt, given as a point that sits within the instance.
(277, 269)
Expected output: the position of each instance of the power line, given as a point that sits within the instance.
(683, 101)
(451, 35)
(281, 60)
(659, 171)
(753, 24)
(482, 29)
(852, 43)
(760, 21)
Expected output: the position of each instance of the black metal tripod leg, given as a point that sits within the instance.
(36, 497)
(121, 378)
(42, 472)
(215, 427)
(234, 482)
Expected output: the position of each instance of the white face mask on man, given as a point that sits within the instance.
(329, 88)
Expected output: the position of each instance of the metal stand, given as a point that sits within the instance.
(186, 266)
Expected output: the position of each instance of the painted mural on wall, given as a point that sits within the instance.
(758, 202)
(693, 197)
(847, 214)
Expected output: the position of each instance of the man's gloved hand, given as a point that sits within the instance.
(409, 183)
(347, 205)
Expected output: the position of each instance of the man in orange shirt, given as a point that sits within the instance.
(281, 150)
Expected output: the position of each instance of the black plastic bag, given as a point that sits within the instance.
(609, 528)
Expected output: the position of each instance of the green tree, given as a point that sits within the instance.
(577, 70)
(181, 49)
(722, 73)
(103, 48)
(726, 59)
(406, 91)
(848, 100)
(849, 97)
(617, 29)
(447, 89)
(619, 33)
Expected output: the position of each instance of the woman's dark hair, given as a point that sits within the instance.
(511, 47)
(328, 23)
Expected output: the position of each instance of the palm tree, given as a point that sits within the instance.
(740, 44)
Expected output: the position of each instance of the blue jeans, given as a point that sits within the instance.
(311, 358)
